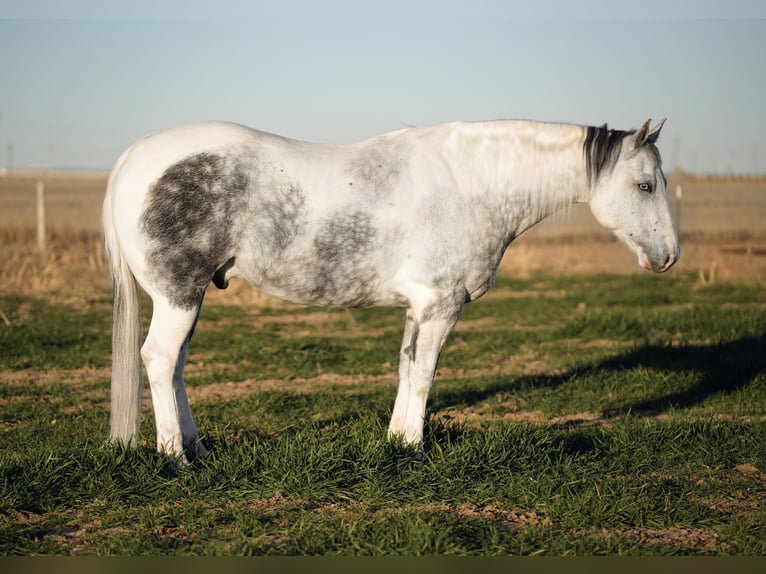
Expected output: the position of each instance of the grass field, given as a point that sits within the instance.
(590, 414)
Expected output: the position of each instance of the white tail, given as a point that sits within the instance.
(126, 337)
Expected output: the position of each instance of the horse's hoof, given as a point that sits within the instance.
(196, 450)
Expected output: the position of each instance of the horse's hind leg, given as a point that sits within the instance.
(192, 445)
(164, 353)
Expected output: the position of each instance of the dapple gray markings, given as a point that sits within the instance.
(282, 214)
(376, 168)
(343, 274)
(188, 218)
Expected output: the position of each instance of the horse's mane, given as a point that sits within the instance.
(602, 148)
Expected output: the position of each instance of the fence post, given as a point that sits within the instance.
(40, 215)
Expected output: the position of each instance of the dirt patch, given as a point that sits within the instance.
(75, 532)
(230, 390)
(338, 324)
(74, 377)
(747, 469)
(523, 363)
(735, 506)
(341, 325)
(696, 539)
(508, 293)
(739, 492)
(504, 518)
(483, 325)
(89, 376)
(477, 419)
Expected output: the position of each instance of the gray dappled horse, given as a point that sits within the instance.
(418, 218)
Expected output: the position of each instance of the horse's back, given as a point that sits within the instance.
(153, 154)
(351, 225)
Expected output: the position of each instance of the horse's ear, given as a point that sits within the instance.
(644, 135)
(653, 135)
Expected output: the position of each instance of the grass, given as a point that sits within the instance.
(615, 415)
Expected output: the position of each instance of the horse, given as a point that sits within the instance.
(416, 218)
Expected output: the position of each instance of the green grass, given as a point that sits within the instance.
(600, 415)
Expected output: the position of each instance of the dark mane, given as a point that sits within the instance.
(601, 147)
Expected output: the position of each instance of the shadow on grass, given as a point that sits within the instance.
(717, 369)
(721, 368)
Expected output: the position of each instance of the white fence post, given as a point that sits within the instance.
(40, 215)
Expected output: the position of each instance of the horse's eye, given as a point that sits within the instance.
(647, 187)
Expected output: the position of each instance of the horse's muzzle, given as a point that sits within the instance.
(669, 261)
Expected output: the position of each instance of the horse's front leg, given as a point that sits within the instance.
(425, 332)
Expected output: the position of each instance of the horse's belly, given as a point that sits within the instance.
(322, 282)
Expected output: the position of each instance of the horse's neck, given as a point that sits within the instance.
(530, 169)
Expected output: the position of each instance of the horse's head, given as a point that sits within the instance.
(629, 193)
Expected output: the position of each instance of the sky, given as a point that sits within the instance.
(81, 80)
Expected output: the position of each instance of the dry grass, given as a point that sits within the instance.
(722, 226)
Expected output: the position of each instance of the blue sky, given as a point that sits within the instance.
(82, 79)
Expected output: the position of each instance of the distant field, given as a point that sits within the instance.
(719, 208)
(73, 202)
(723, 234)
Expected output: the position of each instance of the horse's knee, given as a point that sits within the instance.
(146, 357)
(152, 358)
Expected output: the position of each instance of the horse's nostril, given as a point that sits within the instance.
(669, 260)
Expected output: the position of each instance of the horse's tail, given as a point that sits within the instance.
(126, 333)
